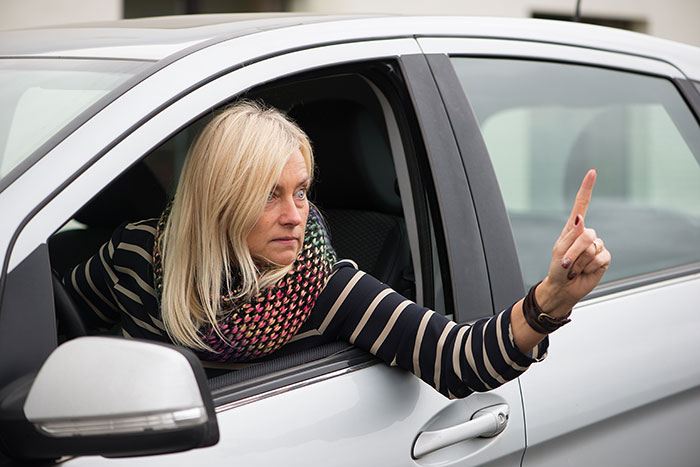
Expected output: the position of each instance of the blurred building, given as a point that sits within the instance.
(670, 19)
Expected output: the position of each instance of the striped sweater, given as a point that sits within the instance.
(116, 286)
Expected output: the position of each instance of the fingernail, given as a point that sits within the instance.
(578, 219)
(571, 275)
(566, 263)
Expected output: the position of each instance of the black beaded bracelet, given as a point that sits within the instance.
(537, 319)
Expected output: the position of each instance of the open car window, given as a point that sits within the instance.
(357, 189)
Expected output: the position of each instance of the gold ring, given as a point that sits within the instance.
(598, 248)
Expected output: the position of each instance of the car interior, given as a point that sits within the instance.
(355, 188)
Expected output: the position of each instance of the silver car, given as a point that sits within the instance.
(449, 150)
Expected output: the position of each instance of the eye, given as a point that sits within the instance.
(270, 197)
(301, 194)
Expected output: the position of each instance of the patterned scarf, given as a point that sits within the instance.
(258, 327)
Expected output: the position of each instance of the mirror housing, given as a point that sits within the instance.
(109, 396)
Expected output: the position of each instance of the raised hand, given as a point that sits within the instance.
(579, 258)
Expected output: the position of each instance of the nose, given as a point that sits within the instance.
(289, 214)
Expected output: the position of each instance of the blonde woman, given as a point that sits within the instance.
(240, 267)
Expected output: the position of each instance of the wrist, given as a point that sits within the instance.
(537, 318)
(550, 299)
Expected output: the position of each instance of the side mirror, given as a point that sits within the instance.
(112, 397)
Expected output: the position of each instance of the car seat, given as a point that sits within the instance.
(356, 188)
(134, 196)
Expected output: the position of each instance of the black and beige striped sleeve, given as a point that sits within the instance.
(116, 284)
(92, 286)
(456, 359)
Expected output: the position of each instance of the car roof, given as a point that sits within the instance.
(152, 38)
(161, 37)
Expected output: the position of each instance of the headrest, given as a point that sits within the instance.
(602, 145)
(355, 168)
(134, 196)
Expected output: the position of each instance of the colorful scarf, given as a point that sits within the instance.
(258, 327)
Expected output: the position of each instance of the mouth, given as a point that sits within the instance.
(286, 240)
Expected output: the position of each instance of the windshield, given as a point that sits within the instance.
(41, 96)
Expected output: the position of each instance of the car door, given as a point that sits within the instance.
(621, 385)
(344, 408)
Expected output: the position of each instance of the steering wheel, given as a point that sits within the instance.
(70, 323)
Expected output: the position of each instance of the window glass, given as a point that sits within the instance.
(546, 124)
(40, 97)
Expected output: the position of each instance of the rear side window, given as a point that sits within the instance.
(546, 124)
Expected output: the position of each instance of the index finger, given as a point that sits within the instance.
(583, 197)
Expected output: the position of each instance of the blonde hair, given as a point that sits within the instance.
(232, 166)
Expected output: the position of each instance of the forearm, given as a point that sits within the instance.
(524, 336)
(456, 359)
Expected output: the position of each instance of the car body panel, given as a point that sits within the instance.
(349, 420)
(633, 393)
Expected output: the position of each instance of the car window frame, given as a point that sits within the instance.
(119, 155)
(453, 206)
(502, 266)
(28, 330)
(690, 90)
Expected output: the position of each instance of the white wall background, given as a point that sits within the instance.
(19, 14)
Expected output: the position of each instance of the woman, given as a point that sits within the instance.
(240, 266)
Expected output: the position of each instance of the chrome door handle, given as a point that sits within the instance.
(485, 423)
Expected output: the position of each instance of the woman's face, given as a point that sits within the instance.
(278, 235)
